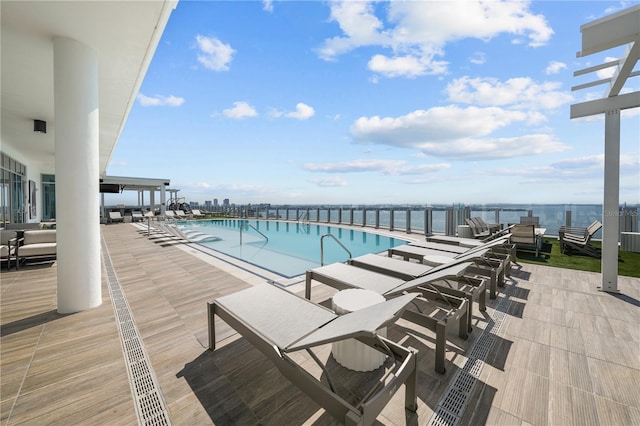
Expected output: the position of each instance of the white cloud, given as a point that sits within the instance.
(607, 72)
(408, 66)
(159, 100)
(555, 67)
(302, 112)
(240, 110)
(214, 54)
(267, 5)
(478, 58)
(353, 166)
(416, 32)
(519, 93)
(454, 132)
(573, 169)
(627, 163)
(386, 167)
(329, 181)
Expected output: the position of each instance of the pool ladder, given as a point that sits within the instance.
(248, 225)
(322, 247)
(303, 223)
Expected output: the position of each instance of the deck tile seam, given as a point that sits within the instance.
(26, 373)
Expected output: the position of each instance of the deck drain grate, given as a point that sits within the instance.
(150, 407)
(451, 407)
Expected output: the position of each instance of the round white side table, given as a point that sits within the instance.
(436, 260)
(351, 353)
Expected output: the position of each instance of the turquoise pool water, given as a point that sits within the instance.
(287, 248)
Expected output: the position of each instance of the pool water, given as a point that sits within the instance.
(287, 248)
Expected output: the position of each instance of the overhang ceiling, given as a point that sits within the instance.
(124, 34)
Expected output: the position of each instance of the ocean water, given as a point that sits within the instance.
(551, 216)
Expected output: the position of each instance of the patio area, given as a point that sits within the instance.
(550, 350)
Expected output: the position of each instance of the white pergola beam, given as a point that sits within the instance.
(624, 68)
(600, 106)
(611, 31)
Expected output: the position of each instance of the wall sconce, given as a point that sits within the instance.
(40, 126)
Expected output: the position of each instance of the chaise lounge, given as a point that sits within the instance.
(280, 324)
(579, 239)
(486, 263)
(438, 311)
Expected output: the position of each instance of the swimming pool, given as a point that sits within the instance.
(287, 248)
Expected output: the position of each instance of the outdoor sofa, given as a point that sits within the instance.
(36, 244)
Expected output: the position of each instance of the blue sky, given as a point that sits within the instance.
(415, 102)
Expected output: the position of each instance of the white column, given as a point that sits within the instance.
(152, 200)
(75, 67)
(610, 221)
(163, 200)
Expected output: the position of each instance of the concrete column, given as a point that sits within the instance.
(610, 218)
(152, 200)
(163, 200)
(77, 168)
(428, 221)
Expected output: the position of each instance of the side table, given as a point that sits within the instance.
(351, 353)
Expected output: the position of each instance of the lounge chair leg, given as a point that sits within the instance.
(307, 286)
(211, 311)
(410, 394)
(441, 341)
(462, 327)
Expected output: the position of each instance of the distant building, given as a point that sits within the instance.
(207, 205)
(215, 202)
(225, 202)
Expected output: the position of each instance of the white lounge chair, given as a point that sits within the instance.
(483, 263)
(279, 324)
(438, 312)
(115, 217)
(472, 287)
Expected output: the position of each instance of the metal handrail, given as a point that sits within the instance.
(322, 247)
(256, 229)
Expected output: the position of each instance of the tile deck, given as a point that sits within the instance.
(564, 353)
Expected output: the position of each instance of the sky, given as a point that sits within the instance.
(376, 102)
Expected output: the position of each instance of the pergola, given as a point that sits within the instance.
(622, 28)
(117, 184)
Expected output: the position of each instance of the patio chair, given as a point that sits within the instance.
(181, 215)
(280, 323)
(170, 215)
(524, 237)
(570, 242)
(530, 220)
(438, 311)
(477, 229)
(491, 227)
(197, 213)
(137, 216)
(115, 217)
